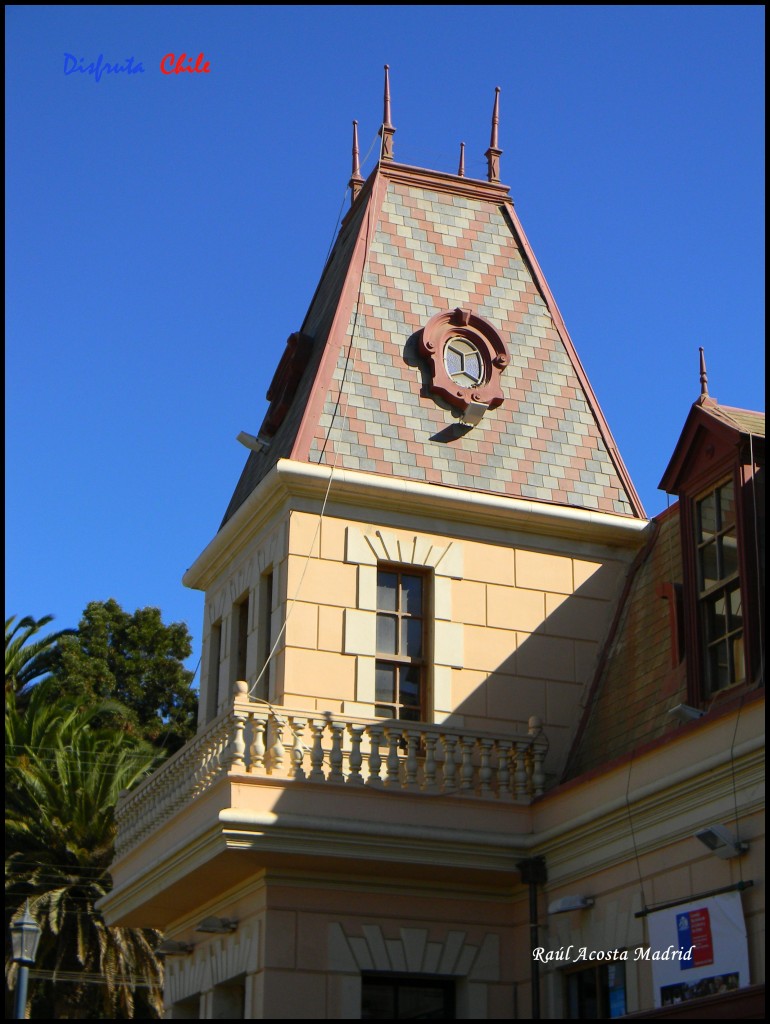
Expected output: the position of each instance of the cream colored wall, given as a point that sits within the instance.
(517, 620)
(302, 945)
(516, 625)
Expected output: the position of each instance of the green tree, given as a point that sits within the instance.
(27, 660)
(137, 660)
(63, 778)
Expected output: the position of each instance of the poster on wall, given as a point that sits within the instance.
(707, 947)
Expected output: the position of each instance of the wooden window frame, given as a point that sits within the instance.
(699, 690)
(399, 660)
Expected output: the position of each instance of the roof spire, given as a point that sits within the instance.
(356, 181)
(387, 131)
(704, 381)
(461, 168)
(493, 153)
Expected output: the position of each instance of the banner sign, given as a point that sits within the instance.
(713, 955)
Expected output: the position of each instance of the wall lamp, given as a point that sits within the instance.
(254, 444)
(721, 841)
(170, 947)
(567, 903)
(217, 925)
(685, 713)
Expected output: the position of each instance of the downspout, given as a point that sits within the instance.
(533, 873)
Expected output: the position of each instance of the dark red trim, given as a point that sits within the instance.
(734, 700)
(593, 402)
(337, 337)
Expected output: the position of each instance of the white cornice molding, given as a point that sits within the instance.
(289, 479)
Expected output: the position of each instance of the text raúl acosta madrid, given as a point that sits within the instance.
(584, 953)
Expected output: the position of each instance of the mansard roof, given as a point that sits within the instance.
(417, 243)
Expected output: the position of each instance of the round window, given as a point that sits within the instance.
(464, 363)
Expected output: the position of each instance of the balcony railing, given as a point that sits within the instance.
(328, 749)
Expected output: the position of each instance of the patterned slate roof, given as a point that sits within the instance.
(427, 247)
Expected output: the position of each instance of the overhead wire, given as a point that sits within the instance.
(341, 391)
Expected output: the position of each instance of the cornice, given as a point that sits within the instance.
(290, 479)
(471, 188)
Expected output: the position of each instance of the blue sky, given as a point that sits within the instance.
(165, 234)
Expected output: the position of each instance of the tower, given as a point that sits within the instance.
(413, 594)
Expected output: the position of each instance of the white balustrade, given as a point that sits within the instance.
(252, 740)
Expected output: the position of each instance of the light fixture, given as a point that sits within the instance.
(217, 925)
(254, 444)
(25, 936)
(721, 841)
(567, 903)
(170, 947)
(685, 713)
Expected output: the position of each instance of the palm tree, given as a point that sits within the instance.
(28, 660)
(63, 778)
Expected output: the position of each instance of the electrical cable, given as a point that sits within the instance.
(368, 239)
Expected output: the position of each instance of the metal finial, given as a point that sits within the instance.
(493, 153)
(356, 181)
(387, 131)
(704, 381)
(461, 168)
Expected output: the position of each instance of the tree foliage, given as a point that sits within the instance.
(63, 778)
(27, 659)
(137, 660)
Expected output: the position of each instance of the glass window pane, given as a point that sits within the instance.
(716, 616)
(409, 685)
(386, 634)
(383, 711)
(726, 505)
(421, 1002)
(411, 637)
(387, 584)
(707, 517)
(729, 546)
(736, 613)
(411, 595)
(385, 682)
(719, 670)
(708, 566)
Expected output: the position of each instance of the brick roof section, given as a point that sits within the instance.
(416, 244)
(636, 683)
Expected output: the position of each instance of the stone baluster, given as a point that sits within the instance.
(503, 768)
(297, 748)
(485, 769)
(276, 749)
(520, 773)
(429, 768)
(450, 767)
(354, 761)
(335, 756)
(393, 736)
(257, 748)
(375, 760)
(466, 772)
(317, 726)
(412, 743)
(539, 749)
(234, 757)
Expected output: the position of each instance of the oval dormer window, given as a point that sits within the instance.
(464, 363)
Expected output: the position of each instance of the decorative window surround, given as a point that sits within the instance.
(413, 953)
(211, 963)
(369, 548)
